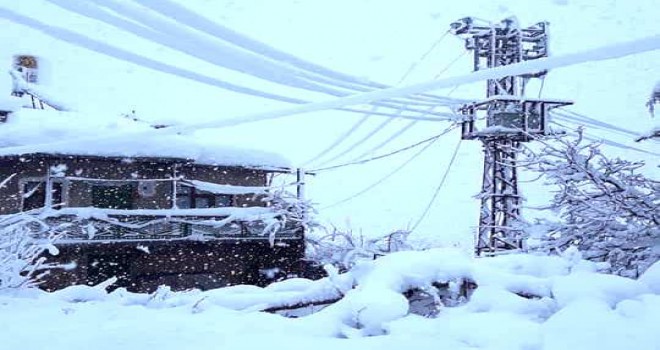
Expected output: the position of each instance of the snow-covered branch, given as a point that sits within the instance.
(607, 208)
(21, 255)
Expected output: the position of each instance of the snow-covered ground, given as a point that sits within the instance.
(572, 307)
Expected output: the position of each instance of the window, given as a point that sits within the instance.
(34, 194)
(28, 66)
(189, 197)
(113, 195)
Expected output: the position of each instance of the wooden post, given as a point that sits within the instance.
(48, 198)
(300, 190)
(300, 184)
(174, 183)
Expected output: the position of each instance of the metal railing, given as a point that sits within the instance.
(154, 227)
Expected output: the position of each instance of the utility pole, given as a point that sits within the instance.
(502, 121)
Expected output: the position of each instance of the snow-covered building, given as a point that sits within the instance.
(145, 204)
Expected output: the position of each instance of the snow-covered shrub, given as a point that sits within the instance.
(344, 248)
(289, 212)
(607, 208)
(23, 240)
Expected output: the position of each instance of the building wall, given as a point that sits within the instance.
(143, 265)
(18, 169)
(79, 193)
(181, 265)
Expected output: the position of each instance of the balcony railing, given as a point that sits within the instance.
(93, 224)
(282, 217)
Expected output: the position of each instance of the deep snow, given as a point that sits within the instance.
(573, 307)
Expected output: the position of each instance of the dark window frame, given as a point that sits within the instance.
(193, 194)
(119, 187)
(27, 186)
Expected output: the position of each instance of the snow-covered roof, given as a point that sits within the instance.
(9, 103)
(30, 131)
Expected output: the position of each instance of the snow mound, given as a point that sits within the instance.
(573, 308)
(608, 289)
(9, 103)
(651, 278)
(81, 293)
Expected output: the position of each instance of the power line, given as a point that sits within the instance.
(362, 120)
(575, 117)
(527, 67)
(384, 178)
(214, 52)
(351, 147)
(602, 53)
(440, 186)
(430, 139)
(412, 123)
(413, 65)
(189, 18)
(391, 138)
(127, 56)
(607, 52)
(408, 126)
(611, 143)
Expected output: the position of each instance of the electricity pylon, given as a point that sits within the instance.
(502, 121)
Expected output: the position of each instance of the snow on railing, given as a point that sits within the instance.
(226, 189)
(282, 214)
(20, 85)
(88, 223)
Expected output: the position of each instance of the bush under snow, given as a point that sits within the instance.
(520, 302)
(608, 208)
(21, 253)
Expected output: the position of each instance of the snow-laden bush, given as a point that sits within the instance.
(289, 212)
(344, 249)
(23, 240)
(607, 208)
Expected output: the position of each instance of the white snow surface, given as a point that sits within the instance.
(651, 277)
(9, 103)
(586, 310)
(226, 189)
(76, 133)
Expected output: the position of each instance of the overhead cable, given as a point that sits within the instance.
(185, 16)
(366, 116)
(602, 53)
(362, 161)
(613, 143)
(439, 188)
(384, 178)
(196, 45)
(568, 114)
(412, 123)
(127, 56)
(363, 119)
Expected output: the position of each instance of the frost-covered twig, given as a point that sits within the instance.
(345, 248)
(607, 208)
(21, 253)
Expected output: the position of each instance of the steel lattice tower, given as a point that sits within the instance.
(509, 117)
